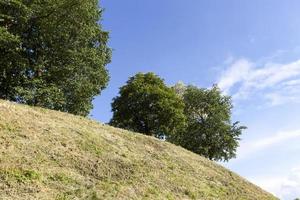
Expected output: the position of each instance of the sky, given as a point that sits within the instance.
(251, 49)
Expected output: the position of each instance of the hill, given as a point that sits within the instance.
(46, 154)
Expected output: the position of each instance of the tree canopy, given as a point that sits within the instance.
(145, 104)
(209, 129)
(197, 119)
(53, 53)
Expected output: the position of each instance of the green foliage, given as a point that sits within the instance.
(148, 106)
(63, 178)
(209, 131)
(19, 175)
(52, 53)
(196, 119)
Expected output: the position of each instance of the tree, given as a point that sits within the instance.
(146, 105)
(209, 130)
(52, 53)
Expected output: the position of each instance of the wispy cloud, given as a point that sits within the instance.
(254, 146)
(285, 187)
(236, 73)
(275, 82)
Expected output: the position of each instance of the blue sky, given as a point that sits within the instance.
(250, 48)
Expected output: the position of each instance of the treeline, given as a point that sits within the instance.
(195, 118)
(54, 54)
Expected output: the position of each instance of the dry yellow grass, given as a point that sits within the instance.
(46, 154)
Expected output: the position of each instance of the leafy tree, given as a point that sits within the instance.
(147, 105)
(52, 53)
(209, 130)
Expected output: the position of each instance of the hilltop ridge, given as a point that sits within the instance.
(46, 154)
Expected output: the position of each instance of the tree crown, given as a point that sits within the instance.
(53, 53)
(147, 105)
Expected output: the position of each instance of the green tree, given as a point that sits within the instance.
(52, 53)
(146, 105)
(209, 130)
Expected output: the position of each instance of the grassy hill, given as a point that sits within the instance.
(46, 154)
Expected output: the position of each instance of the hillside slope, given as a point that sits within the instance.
(51, 155)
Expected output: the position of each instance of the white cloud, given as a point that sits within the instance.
(292, 83)
(285, 187)
(277, 83)
(284, 184)
(236, 73)
(278, 98)
(251, 147)
(266, 83)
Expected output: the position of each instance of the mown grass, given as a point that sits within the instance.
(46, 154)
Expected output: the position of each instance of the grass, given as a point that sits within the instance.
(46, 154)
